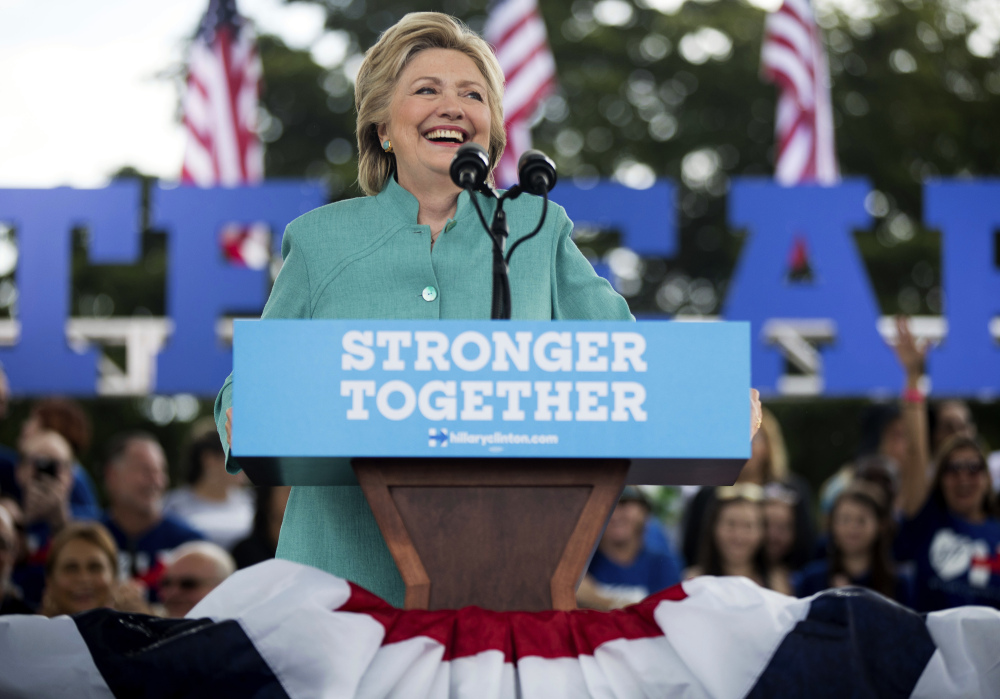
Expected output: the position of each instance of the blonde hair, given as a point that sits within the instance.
(777, 454)
(93, 533)
(380, 70)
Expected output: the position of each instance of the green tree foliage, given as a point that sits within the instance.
(676, 93)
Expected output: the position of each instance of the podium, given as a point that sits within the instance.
(491, 453)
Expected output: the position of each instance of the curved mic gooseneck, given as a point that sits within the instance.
(536, 175)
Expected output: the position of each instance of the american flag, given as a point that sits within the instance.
(793, 57)
(516, 31)
(220, 119)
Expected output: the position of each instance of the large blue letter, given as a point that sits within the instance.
(968, 214)
(858, 361)
(42, 362)
(201, 286)
(645, 217)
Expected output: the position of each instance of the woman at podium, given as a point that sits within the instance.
(414, 248)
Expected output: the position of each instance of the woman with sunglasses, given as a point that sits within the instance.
(733, 541)
(951, 529)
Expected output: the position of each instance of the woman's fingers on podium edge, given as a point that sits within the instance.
(229, 427)
(756, 412)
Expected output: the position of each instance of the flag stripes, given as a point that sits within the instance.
(516, 31)
(220, 102)
(220, 105)
(793, 57)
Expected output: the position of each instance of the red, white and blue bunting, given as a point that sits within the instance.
(280, 629)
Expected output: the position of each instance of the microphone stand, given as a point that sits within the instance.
(498, 230)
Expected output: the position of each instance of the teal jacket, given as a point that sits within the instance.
(368, 258)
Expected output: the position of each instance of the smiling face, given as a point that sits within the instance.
(82, 578)
(854, 527)
(739, 532)
(627, 522)
(440, 102)
(138, 478)
(965, 483)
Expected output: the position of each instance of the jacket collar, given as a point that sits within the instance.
(404, 205)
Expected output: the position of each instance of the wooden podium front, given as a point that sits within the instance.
(491, 453)
(504, 534)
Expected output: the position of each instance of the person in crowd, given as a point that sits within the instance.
(11, 601)
(951, 529)
(214, 502)
(951, 522)
(80, 571)
(262, 544)
(428, 85)
(81, 574)
(193, 570)
(135, 477)
(949, 418)
(883, 434)
(768, 464)
(859, 548)
(624, 570)
(733, 539)
(882, 474)
(45, 478)
(780, 532)
(68, 419)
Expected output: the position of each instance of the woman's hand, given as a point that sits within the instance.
(910, 354)
(229, 427)
(756, 412)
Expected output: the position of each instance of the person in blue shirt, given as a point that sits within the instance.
(951, 530)
(861, 529)
(135, 477)
(624, 569)
(951, 521)
(68, 419)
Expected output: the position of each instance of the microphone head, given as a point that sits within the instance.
(536, 172)
(470, 166)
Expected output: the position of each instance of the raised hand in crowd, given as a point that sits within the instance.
(912, 356)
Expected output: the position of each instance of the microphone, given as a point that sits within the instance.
(470, 166)
(536, 173)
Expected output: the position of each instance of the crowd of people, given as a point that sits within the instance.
(913, 517)
(148, 550)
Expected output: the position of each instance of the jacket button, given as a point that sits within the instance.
(429, 293)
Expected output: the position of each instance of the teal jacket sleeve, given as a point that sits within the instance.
(578, 293)
(290, 298)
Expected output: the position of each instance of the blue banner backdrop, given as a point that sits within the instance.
(453, 388)
(202, 287)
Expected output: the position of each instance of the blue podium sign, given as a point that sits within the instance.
(316, 393)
